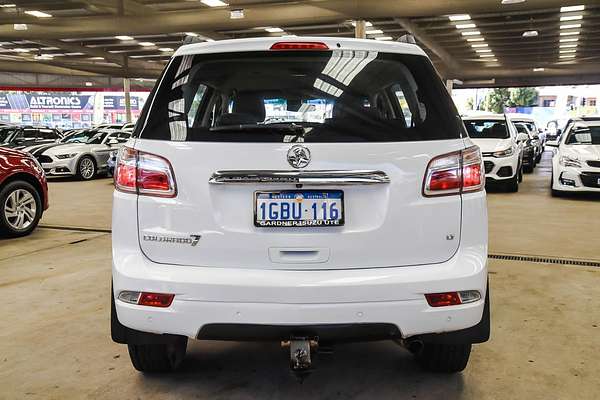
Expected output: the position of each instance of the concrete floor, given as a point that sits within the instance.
(54, 339)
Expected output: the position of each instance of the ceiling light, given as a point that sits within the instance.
(572, 8)
(466, 26)
(569, 40)
(568, 45)
(146, 44)
(374, 32)
(478, 39)
(487, 55)
(165, 49)
(38, 14)
(530, 33)
(236, 14)
(384, 38)
(569, 33)
(568, 50)
(214, 3)
(459, 17)
(75, 54)
(571, 18)
(483, 51)
(567, 56)
(20, 27)
(89, 84)
(539, 69)
(479, 45)
(96, 58)
(512, 1)
(123, 37)
(470, 33)
(367, 24)
(273, 30)
(19, 50)
(570, 26)
(7, 5)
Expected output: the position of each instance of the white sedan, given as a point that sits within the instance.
(576, 160)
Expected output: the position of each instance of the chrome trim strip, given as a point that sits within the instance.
(328, 177)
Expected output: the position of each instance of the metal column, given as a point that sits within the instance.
(360, 30)
(126, 89)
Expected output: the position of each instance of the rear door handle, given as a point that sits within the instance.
(298, 255)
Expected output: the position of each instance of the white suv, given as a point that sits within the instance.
(300, 190)
(501, 146)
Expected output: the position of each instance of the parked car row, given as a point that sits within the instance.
(29, 153)
(512, 144)
(82, 153)
(509, 146)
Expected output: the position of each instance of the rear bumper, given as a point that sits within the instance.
(211, 302)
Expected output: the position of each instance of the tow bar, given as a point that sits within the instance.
(301, 349)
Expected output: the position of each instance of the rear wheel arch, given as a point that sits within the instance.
(25, 177)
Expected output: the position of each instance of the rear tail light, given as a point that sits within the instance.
(162, 300)
(454, 173)
(144, 173)
(452, 298)
(299, 46)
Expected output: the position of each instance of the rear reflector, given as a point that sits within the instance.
(452, 298)
(443, 299)
(155, 299)
(145, 174)
(454, 173)
(299, 46)
(147, 299)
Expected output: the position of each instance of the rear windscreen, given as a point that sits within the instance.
(303, 96)
(487, 129)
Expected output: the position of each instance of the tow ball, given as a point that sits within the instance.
(301, 349)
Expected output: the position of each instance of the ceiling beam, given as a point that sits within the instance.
(121, 7)
(279, 14)
(452, 66)
(39, 68)
(73, 47)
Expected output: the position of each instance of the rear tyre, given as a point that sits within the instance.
(449, 358)
(158, 357)
(512, 185)
(20, 209)
(86, 168)
(529, 169)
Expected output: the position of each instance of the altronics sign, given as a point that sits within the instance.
(62, 102)
(22, 102)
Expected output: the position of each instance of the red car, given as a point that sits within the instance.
(23, 192)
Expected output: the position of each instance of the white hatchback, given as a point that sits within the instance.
(300, 190)
(501, 146)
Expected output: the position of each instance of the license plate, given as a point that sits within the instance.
(301, 208)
